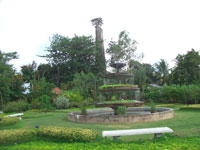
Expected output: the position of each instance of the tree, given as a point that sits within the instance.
(10, 84)
(123, 50)
(68, 56)
(162, 71)
(187, 69)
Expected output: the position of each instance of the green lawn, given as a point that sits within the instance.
(186, 123)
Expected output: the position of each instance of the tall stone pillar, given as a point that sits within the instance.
(100, 55)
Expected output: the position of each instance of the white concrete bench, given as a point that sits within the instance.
(156, 131)
(16, 115)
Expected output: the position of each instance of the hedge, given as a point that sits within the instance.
(174, 94)
(4, 121)
(61, 133)
(68, 134)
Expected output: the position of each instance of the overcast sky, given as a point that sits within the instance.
(163, 28)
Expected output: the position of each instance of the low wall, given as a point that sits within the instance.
(161, 114)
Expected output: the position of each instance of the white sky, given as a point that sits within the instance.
(163, 28)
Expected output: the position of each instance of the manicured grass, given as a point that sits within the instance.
(120, 101)
(184, 123)
(169, 143)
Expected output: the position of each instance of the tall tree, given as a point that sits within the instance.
(123, 50)
(187, 69)
(68, 56)
(10, 84)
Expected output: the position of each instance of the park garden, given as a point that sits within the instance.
(73, 81)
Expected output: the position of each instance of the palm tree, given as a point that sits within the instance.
(162, 71)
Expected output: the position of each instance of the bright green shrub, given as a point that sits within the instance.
(16, 135)
(5, 121)
(16, 106)
(67, 134)
(61, 102)
(121, 110)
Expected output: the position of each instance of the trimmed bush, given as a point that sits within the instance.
(17, 106)
(61, 102)
(5, 121)
(61, 133)
(16, 135)
(67, 134)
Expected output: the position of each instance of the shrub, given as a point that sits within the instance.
(16, 135)
(152, 106)
(35, 104)
(67, 134)
(121, 110)
(61, 102)
(17, 106)
(60, 133)
(45, 102)
(5, 121)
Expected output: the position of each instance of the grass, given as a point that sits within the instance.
(186, 123)
(120, 101)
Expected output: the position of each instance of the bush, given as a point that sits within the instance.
(5, 121)
(45, 102)
(67, 134)
(60, 133)
(17, 106)
(121, 110)
(16, 135)
(152, 106)
(35, 104)
(61, 102)
(175, 94)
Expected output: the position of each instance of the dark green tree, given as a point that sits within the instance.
(10, 83)
(68, 56)
(187, 69)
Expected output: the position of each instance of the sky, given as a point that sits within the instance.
(162, 28)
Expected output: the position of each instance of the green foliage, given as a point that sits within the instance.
(16, 106)
(153, 106)
(121, 110)
(58, 133)
(74, 96)
(61, 102)
(67, 134)
(10, 84)
(17, 135)
(162, 71)
(35, 103)
(45, 102)
(168, 143)
(68, 56)
(6, 121)
(41, 87)
(175, 94)
(116, 86)
(123, 50)
(187, 70)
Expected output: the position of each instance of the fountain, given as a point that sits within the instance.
(134, 111)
